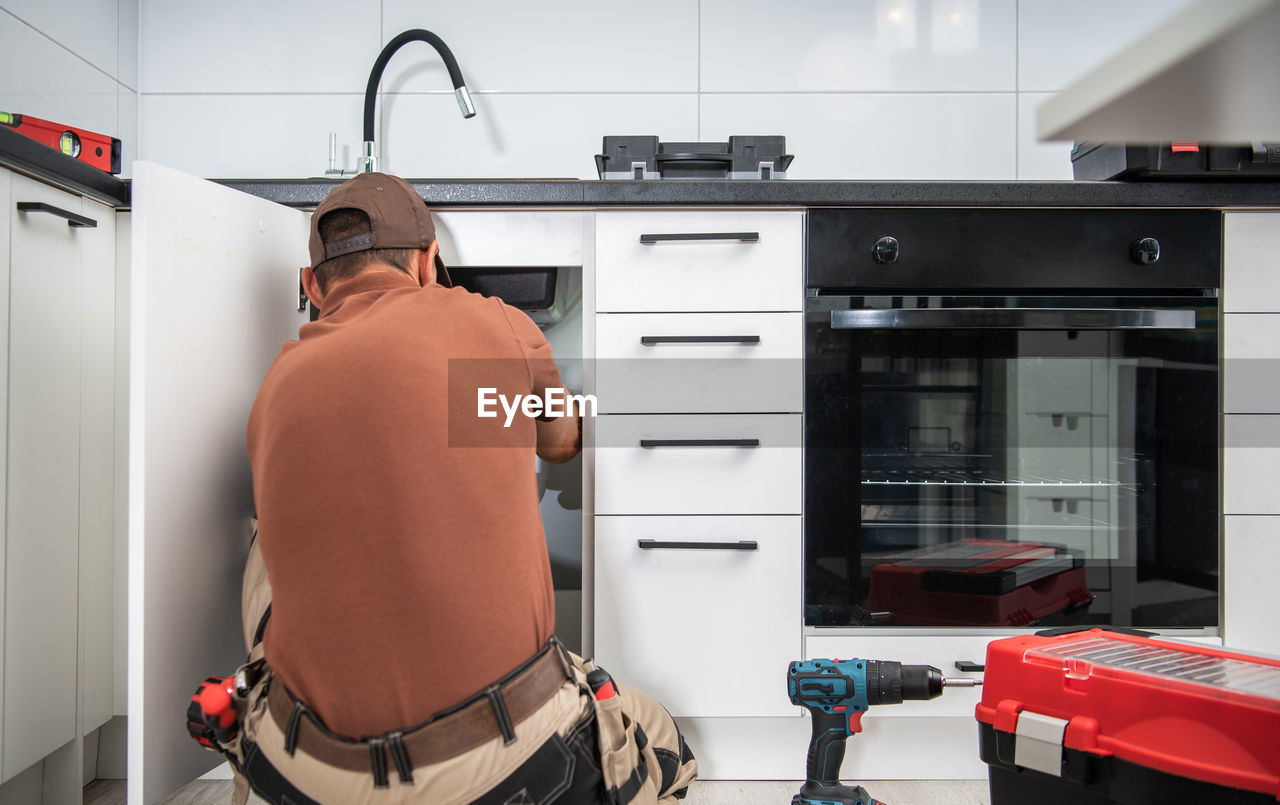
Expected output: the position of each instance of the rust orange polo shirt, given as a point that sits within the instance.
(400, 531)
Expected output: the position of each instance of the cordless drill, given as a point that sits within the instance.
(837, 693)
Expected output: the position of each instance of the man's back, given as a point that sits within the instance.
(403, 539)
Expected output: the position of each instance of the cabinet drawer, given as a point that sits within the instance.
(707, 631)
(699, 261)
(698, 464)
(699, 362)
(1249, 248)
(940, 651)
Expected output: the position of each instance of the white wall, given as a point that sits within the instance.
(862, 89)
(73, 62)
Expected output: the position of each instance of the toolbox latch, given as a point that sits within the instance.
(1037, 743)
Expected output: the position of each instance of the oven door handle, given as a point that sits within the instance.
(1015, 318)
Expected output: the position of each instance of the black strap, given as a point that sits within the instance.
(494, 692)
(628, 790)
(378, 759)
(291, 729)
(262, 625)
(395, 741)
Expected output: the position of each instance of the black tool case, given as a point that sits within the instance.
(1104, 161)
(739, 158)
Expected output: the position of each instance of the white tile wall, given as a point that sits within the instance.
(128, 49)
(514, 135)
(1037, 160)
(87, 28)
(565, 46)
(876, 136)
(249, 136)
(68, 62)
(246, 46)
(862, 89)
(864, 46)
(40, 77)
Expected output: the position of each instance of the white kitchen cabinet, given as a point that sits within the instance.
(41, 562)
(699, 362)
(1250, 432)
(673, 261)
(700, 612)
(699, 346)
(698, 464)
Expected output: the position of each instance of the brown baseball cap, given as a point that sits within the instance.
(399, 216)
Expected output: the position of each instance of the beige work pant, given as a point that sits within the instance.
(632, 731)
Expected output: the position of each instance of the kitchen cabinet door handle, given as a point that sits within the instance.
(659, 545)
(1010, 318)
(699, 443)
(650, 340)
(745, 237)
(74, 220)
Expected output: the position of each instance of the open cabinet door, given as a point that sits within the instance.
(214, 290)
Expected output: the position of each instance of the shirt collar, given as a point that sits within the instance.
(375, 282)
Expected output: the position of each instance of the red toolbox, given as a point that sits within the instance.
(1093, 717)
(978, 582)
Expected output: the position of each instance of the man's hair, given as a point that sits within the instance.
(345, 223)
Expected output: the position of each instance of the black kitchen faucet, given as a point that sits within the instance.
(369, 161)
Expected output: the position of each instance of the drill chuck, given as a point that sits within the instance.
(890, 682)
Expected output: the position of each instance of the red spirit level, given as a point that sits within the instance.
(98, 150)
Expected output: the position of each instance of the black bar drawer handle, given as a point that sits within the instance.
(969, 666)
(658, 545)
(74, 220)
(650, 340)
(745, 237)
(699, 443)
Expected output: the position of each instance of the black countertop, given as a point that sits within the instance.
(794, 193)
(26, 155)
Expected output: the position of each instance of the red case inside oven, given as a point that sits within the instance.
(1094, 717)
(978, 582)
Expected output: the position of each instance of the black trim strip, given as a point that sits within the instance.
(291, 729)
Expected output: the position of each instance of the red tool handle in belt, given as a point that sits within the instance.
(211, 716)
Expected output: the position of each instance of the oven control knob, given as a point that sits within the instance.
(1145, 251)
(885, 250)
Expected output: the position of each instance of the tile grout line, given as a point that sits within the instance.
(67, 49)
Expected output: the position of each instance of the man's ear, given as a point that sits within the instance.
(312, 286)
(425, 264)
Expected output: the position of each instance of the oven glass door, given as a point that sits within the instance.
(1008, 461)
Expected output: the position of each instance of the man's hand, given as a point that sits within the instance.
(559, 438)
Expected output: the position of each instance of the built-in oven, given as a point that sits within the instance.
(1012, 417)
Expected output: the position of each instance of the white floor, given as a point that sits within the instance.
(892, 792)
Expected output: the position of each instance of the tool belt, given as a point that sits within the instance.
(493, 712)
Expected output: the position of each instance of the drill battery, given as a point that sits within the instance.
(1097, 717)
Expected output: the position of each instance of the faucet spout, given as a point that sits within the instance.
(369, 161)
